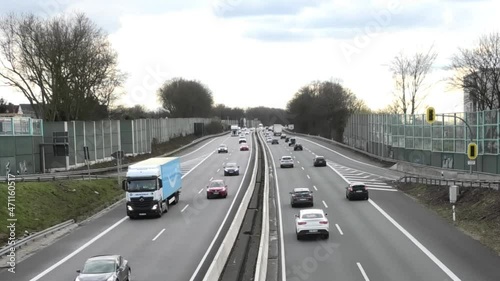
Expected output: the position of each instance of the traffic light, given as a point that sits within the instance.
(472, 151)
(430, 115)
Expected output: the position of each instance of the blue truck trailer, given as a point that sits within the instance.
(152, 185)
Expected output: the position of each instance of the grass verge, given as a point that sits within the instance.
(477, 210)
(39, 205)
(157, 150)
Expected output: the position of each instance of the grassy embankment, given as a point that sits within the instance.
(39, 205)
(477, 210)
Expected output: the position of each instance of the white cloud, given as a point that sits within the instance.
(251, 55)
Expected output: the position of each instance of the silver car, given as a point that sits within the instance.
(286, 161)
(104, 268)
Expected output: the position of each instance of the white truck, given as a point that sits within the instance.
(152, 185)
(277, 129)
(235, 130)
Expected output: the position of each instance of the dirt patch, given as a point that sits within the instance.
(477, 209)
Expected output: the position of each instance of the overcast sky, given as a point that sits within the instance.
(260, 52)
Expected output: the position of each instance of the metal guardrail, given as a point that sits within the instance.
(65, 174)
(63, 177)
(447, 182)
(20, 243)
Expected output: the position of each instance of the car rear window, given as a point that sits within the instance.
(312, 216)
(358, 187)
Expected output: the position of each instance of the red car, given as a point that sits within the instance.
(217, 188)
(244, 147)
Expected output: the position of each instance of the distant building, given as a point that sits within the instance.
(12, 111)
(471, 82)
(28, 110)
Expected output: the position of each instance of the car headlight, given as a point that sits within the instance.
(154, 207)
(129, 208)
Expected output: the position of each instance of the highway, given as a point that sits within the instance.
(389, 237)
(178, 246)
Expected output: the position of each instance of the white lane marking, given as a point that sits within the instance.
(315, 188)
(224, 220)
(158, 235)
(201, 147)
(409, 236)
(218, 170)
(211, 178)
(340, 230)
(298, 162)
(381, 189)
(324, 203)
(75, 252)
(302, 168)
(363, 271)
(338, 153)
(201, 190)
(185, 207)
(308, 177)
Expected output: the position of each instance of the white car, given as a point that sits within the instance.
(286, 161)
(312, 222)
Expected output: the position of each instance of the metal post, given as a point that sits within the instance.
(118, 167)
(454, 218)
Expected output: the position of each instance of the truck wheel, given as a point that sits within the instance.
(160, 211)
(176, 196)
(166, 206)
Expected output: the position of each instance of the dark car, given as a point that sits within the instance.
(301, 196)
(283, 136)
(356, 190)
(217, 188)
(297, 146)
(231, 169)
(319, 161)
(274, 141)
(104, 268)
(242, 140)
(287, 139)
(222, 149)
(291, 142)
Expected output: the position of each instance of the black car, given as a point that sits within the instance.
(274, 141)
(356, 190)
(287, 139)
(231, 169)
(319, 161)
(283, 136)
(298, 146)
(291, 142)
(301, 196)
(104, 268)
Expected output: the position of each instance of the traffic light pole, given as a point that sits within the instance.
(468, 127)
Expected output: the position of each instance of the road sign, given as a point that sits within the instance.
(472, 151)
(430, 115)
(471, 162)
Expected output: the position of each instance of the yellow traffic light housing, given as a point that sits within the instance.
(430, 115)
(472, 151)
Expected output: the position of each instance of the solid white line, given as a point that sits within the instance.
(416, 242)
(324, 203)
(308, 177)
(223, 221)
(185, 207)
(315, 188)
(362, 271)
(201, 190)
(407, 234)
(158, 235)
(63, 260)
(200, 147)
(77, 250)
(302, 168)
(381, 189)
(340, 230)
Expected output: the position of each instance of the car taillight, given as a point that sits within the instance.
(323, 222)
(302, 222)
(350, 188)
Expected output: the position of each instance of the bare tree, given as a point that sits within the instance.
(64, 66)
(477, 72)
(409, 74)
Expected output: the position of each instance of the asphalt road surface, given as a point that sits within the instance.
(389, 237)
(174, 247)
